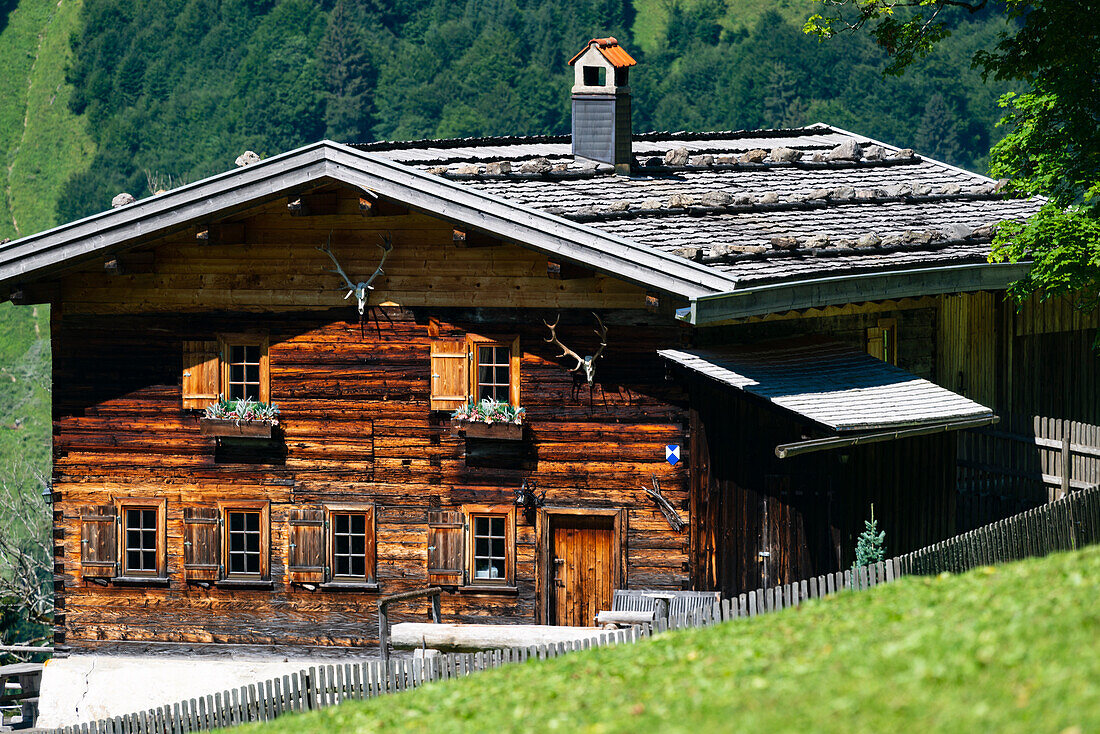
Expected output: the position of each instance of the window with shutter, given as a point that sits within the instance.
(246, 539)
(306, 556)
(98, 542)
(141, 540)
(495, 369)
(449, 381)
(446, 548)
(202, 546)
(201, 373)
(244, 367)
(491, 556)
(351, 544)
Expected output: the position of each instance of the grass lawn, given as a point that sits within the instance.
(1011, 648)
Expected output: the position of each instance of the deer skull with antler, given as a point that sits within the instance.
(587, 363)
(363, 288)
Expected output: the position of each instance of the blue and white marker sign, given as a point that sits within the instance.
(672, 453)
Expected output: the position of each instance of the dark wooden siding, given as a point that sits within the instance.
(356, 427)
(805, 512)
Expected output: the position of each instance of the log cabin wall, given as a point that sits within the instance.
(356, 423)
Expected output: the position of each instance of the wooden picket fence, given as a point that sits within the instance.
(1065, 524)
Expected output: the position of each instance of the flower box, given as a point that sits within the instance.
(478, 429)
(230, 428)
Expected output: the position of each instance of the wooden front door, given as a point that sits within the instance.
(582, 568)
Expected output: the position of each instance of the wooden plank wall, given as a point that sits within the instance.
(269, 262)
(1037, 366)
(806, 511)
(356, 417)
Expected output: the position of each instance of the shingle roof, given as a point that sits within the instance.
(758, 205)
(831, 384)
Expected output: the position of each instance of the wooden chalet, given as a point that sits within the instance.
(787, 325)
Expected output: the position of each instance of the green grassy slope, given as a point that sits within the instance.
(1014, 648)
(651, 16)
(54, 144)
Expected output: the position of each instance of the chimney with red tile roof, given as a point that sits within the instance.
(601, 103)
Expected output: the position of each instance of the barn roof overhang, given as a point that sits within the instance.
(758, 300)
(848, 395)
(57, 250)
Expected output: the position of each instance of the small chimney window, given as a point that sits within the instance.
(595, 76)
(620, 77)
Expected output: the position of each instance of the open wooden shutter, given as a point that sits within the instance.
(306, 560)
(201, 373)
(202, 544)
(449, 375)
(99, 542)
(446, 548)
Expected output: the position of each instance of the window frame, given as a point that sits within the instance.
(885, 330)
(470, 513)
(263, 507)
(473, 343)
(370, 577)
(122, 506)
(244, 339)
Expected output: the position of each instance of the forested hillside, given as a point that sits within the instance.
(103, 96)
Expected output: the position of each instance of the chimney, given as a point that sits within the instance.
(601, 104)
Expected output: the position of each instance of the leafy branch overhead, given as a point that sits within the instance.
(1051, 148)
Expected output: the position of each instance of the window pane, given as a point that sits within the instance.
(252, 354)
(252, 373)
(359, 566)
(253, 521)
(236, 542)
(133, 559)
(340, 522)
(358, 545)
(481, 526)
(236, 354)
(498, 547)
(252, 391)
(481, 568)
(496, 571)
(236, 373)
(236, 563)
(133, 538)
(253, 543)
(253, 563)
(358, 524)
(236, 521)
(498, 526)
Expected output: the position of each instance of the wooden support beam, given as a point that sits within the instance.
(131, 263)
(560, 270)
(474, 238)
(226, 233)
(381, 208)
(316, 204)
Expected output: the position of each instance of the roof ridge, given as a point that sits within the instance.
(652, 135)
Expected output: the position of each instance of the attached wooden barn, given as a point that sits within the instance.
(784, 326)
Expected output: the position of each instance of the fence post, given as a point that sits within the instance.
(1067, 459)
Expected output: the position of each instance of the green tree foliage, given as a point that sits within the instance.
(1052, 145)
(180, 87)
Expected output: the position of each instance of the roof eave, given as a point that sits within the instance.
(772, 298)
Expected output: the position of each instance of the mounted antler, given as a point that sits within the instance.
(588, 363)
(362, 288)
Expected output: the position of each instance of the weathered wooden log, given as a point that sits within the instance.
(469, 637)
(606, 617)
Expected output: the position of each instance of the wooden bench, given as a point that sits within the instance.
(638, 606)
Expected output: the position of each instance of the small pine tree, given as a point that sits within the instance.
(871, 543)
